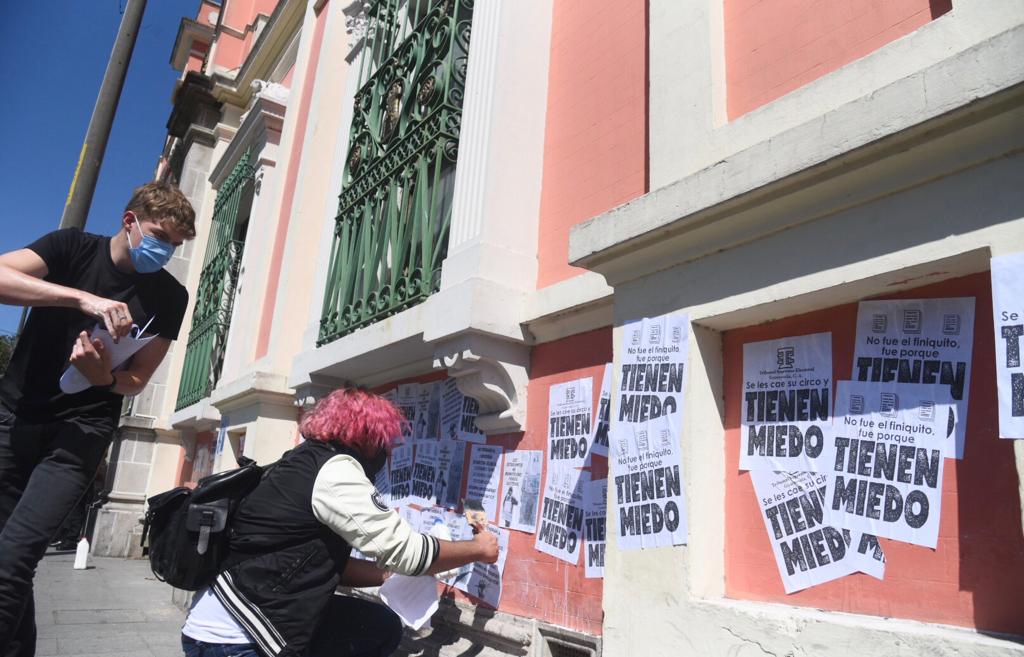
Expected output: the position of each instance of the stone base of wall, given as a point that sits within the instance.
(118, 530)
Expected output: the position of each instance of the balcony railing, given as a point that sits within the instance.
(215, 297)
(391, 230)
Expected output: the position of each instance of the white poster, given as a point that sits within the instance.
(484, 473)
(887, 453)
(382, 482)
(521, 486)
(561, 513)
(483, 580)
(809, 549)
(1008, 308)
(599, 437)
(920, 341)
(401, 475)
(451, 457)
(428, 398)
(595, 507)
(787, 394)
(646, 460)
(570, 418)
(406, 398)
(458, 414)
(424, 473)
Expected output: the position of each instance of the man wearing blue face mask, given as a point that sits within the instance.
(51, 443)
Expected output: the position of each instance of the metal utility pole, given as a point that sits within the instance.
(83, 184)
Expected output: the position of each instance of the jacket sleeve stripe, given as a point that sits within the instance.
(246, 614)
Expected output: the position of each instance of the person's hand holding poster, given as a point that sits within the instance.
(787, 393)
(484, 473)
(888, 457)
(401, 475)
(922, 342)
(1008, 308)
(570, 416)
(561, 514)
(809, 549)
(595, 507)
(521, 486)
(646, 460)
(483, 580)
(424, 473)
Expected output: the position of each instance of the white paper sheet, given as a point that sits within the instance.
(595, 507)
(570, 421)
(484, 473)
(561, 514)
(1008, 312)
(73, 381)
(521, 490)
(602, 420)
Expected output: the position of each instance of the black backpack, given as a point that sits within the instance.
(187, 528)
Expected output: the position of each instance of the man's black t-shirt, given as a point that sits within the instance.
(31, 386)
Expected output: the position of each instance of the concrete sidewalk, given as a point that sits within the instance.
(115, 608)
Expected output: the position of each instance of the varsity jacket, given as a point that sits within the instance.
(291, 539)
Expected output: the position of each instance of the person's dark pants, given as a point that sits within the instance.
(44, 471)
(350, 628)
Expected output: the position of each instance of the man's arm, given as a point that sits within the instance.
(22, 284)
(94, 364)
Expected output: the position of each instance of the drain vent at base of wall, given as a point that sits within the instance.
(558, 649)
(562, 642)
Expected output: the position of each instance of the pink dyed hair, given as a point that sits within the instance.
(356, 419)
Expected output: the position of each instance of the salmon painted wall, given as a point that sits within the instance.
(534, 584)
(772, 48)
(595, 141)
(973, 578)
(239, 16)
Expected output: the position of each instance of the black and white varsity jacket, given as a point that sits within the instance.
(291, 539)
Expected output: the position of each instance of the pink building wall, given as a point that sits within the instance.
(772, 48)
(595, 143)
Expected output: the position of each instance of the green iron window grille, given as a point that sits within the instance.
(391, 230)
(215, 297)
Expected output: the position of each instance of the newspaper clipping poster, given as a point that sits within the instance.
(561, 513)
(570, 416)
(888, 456)
(483, 580)
(521, 485)
(1008, 307)
(809, 549)
(602, 422)
(424, 473)
(919, 341)
(451, 457)
(458, 414)
(787, 394)
(484, 473)
(401, 475)
(646, 462)
(595, 506)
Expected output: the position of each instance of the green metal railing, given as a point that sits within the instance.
(391, 230)
(215, 297)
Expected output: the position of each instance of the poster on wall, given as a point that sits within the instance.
(426, 425)
(401, 475)
(451, 457)
(406, 398)
(561, 513)
(458, 414)
(646, 435)
(809, 549)
(570, 416)
(602, 421)
(923, 342)
(1008, 309)
(424, 473)
(484, 473)
(887, 454)
(521, 489)
(483, 580)
(595, 506)
(787, 394)
(382, 482)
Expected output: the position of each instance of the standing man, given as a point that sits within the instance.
(51, 443)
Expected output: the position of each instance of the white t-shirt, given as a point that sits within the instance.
(208, 621)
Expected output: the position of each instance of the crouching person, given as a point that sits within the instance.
(291, 539)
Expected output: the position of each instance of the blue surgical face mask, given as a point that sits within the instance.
(151, 254)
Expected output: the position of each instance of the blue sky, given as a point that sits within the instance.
(53, 55)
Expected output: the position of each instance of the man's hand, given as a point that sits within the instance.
(113, 314)
(487, 544)
(92, 359)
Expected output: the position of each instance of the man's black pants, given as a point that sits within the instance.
(44, 470)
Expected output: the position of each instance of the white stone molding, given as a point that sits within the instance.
(356, 27)
(493, 372)
(272, 91)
